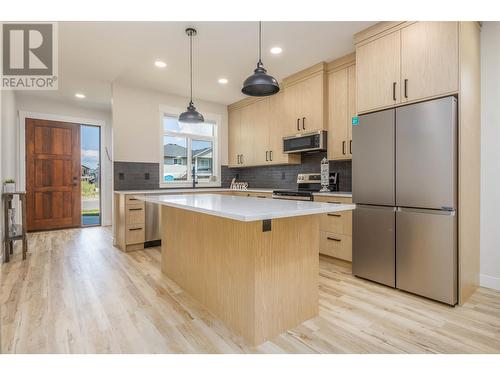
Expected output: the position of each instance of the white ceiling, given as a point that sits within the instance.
(93, 55)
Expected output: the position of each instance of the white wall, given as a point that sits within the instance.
(39, 104)
(8, 137)
(490, 155)
(136, 123)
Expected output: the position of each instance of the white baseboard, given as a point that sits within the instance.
(490, 282)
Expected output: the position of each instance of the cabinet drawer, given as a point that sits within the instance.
(332, 199)
(135, 214)
(260, 195)
(134, 234)
(336, 222)
(335, 245)
(129, 199)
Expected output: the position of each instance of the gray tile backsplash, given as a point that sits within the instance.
(145, 176)
(136, 176)
(285, 176)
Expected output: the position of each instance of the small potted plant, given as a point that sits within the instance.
(9, 185)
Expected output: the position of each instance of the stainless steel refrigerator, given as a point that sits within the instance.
(404, 182)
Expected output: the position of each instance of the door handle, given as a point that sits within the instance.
(271, 155)
(333, 239)
(266, 155)
(394, 91)
(350, 146)
(298, 124)
(406, 88)
(303, 123)
(343, 147)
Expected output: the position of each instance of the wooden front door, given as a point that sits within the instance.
(52, 174)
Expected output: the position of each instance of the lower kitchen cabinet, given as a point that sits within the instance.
(335, 230)
(130, 222)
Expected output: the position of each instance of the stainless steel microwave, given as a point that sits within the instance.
(315, 141)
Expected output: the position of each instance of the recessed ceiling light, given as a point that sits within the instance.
(223, 81)
(160, 64)
(276, 50)
(80, 95)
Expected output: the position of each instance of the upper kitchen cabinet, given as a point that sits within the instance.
(305, 100)
(429, 60)
(401, 62)
(234, 136)
(256, 130)
(341, 107)
(378, 72)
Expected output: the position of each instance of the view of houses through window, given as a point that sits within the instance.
(187, 147)
(90, 178)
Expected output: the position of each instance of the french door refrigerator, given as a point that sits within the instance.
(405, 190)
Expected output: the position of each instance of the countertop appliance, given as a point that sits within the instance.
(307, 184)
(315, 141)
(405, 189)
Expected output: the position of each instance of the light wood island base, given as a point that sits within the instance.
(259, 283)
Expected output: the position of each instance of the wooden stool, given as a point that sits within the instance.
(16, 231)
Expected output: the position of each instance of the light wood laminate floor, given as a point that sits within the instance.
(76, 293)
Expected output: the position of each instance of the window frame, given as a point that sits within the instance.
(167, 111)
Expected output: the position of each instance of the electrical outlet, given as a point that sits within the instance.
(282, 175)
(121, 176)
(146, 176)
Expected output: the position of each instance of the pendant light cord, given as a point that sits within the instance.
(260, 42)
(191, 63)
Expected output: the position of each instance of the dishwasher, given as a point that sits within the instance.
(153, 222)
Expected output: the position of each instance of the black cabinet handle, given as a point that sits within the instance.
(298, 124)
(241, 158)
(135, 209)
(267, 152)
(131, 229)
(394, 91)
(343, 147)
(334, 202)
(271, 155)
(336, 215)
(350, 146)
(406, 88)
(333, 239)
(303, 123)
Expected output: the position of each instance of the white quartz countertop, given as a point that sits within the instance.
(214, 190)
(244, 208)
(188, 190)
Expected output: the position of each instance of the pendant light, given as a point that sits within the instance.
(191, 116)
(260, 83)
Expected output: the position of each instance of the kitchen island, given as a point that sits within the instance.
(252, 262)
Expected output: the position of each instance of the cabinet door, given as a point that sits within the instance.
(246, 134)
(429, 59)
(259, 140)
(234, 138)
(292, 110)
(277, 129)
(311, 103)
(378, 70)
(351, 104)
(337, 114)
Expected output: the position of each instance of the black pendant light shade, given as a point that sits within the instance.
(191, 116)
(260, 83)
